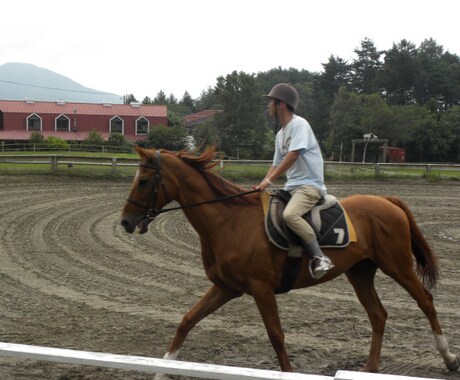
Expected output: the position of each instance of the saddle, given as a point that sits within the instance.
(328, 219)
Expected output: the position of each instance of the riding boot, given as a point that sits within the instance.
(320, 264)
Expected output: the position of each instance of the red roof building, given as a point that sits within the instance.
(199, 118)
(73, 121)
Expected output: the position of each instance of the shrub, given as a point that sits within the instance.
(36, 138)
(55, 143)
(171, 138)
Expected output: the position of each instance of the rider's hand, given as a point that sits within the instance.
(264, 184)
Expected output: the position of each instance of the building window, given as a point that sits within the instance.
(34, 123)
(116, 125)
(62, 123)
(142, 126)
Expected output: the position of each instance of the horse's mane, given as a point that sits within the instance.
(205, 163)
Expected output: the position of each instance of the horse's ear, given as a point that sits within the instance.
(139, 151)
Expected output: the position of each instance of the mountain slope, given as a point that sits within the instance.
(19, 81)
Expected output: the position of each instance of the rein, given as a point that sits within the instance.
(215, 200)
(152, 212)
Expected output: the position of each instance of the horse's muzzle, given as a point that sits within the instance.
(142, 226)
(129, 227)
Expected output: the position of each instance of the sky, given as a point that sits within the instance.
(142, 47)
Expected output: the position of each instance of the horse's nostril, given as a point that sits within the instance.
(127, 226)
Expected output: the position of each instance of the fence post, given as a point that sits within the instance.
(114, 164)
(54, 161)
(428, 170)
(377, 170)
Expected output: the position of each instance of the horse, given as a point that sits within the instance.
(239, 259)
(370, 137)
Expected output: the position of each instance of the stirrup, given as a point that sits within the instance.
(323, 267)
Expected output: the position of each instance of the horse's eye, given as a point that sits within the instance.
(143, 181)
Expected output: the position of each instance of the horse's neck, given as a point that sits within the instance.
(204, 217)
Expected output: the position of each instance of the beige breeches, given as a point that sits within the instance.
(303, 199)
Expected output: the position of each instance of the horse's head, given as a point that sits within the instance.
(149, 192)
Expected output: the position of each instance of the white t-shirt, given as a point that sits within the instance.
(297, 135)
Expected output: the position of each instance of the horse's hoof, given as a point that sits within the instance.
(454, 365)
(370, 369)
(161, 376)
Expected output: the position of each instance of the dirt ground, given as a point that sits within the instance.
(70, 277)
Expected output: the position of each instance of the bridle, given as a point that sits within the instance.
(151, 212)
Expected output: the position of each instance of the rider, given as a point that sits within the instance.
(297, 154)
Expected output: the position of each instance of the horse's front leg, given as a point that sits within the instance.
(214, 298)
(266, 303)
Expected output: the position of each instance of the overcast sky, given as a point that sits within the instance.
(144, 46)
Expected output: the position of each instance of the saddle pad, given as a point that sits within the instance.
(329, 220)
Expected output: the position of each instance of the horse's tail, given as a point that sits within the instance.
(427, 265)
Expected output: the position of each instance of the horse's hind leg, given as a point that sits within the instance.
(361, 276)
(424, 299)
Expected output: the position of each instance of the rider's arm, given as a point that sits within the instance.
(275, 171)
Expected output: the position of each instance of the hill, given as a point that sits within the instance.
(19, 81)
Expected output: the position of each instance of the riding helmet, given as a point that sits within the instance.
(286, 93)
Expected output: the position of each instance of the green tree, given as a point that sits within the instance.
(180, 110)
(171, 138)
(128, 99)
(436, 80)
(171, 99)
(432, 140)
(451, 121)
(344, 124)
(376, 116)
(399, 73)
(430, 74)
(187, 101)
(206, 134)
(336, 74)
(206, 101)
(366, 68)
(451, 88)
(420, 132)
(175, 119)
(160, 98)
(405, 120)
(240, 125)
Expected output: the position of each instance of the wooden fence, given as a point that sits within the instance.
(378, 169)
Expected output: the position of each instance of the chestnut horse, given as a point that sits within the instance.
(238, 257)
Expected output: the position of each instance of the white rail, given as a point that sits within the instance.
(173, 367)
